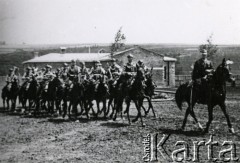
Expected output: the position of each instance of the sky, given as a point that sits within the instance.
(97, 21)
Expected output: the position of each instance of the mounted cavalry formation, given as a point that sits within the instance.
(62, 91)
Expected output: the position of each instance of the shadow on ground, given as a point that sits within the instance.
(181, 132)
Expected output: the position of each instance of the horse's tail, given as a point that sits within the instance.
(180, 95)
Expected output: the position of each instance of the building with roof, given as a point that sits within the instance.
(163, 67)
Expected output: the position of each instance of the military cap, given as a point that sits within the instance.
(204, 51)
(140, 61)
(73, 61)
(130, 56)
(29, 68)
(11, 69)
(65, 64)
(48, 66)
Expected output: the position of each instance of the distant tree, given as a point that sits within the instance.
(119, 41)
(210, 47)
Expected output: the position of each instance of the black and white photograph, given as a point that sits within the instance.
(119, 81)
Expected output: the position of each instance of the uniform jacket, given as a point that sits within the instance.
(129, 67)
(200, 68)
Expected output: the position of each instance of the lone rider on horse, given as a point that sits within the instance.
(200, 76)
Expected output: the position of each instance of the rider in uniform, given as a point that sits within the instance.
(140, 64)
(201, 72)
(114, 70)
(128, 69)
(84, 72)
(10, 77)
(47, 76)
(64, 74)
(96, 72)
(73, 72)
(27, 77)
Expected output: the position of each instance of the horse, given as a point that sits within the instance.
(101, 95)
(10, 93)
(217, 96)
(30, 94)
(119, 93)
(14, 92)
(88, 96)
(5, 96)
(54, 94)
(75, 98)
(149, 92)
(136, 93)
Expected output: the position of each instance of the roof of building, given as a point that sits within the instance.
(87, 57)
(67, 57)
(169, 59)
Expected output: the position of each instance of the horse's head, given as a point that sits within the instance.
(223, 73)
(140, 74)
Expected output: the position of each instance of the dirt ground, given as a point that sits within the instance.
(28, 139)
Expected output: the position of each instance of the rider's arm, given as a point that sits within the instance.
(195, 71)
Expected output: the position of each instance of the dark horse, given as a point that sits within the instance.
(217, 96)
(55, 94)
(101, 95)
(30, 94)
(10, 92)
(136, 93)
(149, 92)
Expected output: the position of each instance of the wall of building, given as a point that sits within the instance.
(162, 77)
(149, 59)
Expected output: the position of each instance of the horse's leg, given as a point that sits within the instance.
(3, 102)
(145, 111)
(150, 106)
(128, 102)
(81, 106)
(113, 108)
(69, 108)
(185, 118)
(138, 104)
(91, 107)
(117, 108)
(14, 104)
(105, 108)
(223, 107)
(210, 117)
(64, 108)
(74, 109)
(109, 104)
(98, 108)
(194, 117)
(7, 103)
